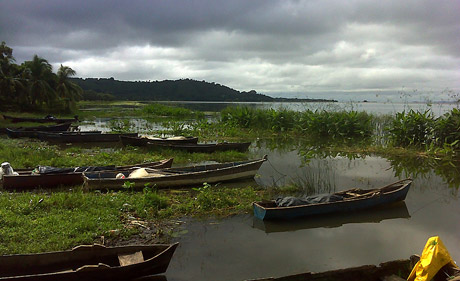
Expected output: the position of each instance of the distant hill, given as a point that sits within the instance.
(173, 90)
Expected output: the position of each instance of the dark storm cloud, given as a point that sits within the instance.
(270, 46)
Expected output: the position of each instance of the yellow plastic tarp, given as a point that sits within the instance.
(434, 257)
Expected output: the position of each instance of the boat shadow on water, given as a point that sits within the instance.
(375, 215)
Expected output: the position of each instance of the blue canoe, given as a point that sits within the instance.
(353, 200)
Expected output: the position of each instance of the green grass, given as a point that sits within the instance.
(160, 110)
(27, 153)
(39, 221)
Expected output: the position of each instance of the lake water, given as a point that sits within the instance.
(371, 107)
(242, 247)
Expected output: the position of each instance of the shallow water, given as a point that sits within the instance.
(242, 247)
(372, 107)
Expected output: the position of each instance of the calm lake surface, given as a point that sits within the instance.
(242, 247)
(371, 107)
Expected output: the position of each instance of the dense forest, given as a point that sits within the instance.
(33, 86)
(172, 90)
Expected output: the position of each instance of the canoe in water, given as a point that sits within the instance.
(351, 200)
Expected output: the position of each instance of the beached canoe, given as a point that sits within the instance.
(32, 132)
(89, 263)
(400, 268)
(202, 147)
(345, 201)
(83, 138)
(66, 176)
(142, 141)
(47, 119)
(177, 177)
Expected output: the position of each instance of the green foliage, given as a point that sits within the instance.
(121, 126)
(319, 124)
(157, 109)
(421, 129)
(181, 90)
(91, 95)
(40, 221)
(412, 128)
(336, 125)
(32, 86)
(447, 129)
(129, 185)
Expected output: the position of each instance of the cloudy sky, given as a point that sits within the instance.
(348, 50)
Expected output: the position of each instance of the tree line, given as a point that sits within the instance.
(32, 85)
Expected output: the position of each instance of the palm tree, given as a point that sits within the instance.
(65, 89)
(11, 86)
(40, 76)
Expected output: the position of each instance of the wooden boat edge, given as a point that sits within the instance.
(328, 203)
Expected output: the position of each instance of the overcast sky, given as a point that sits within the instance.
(343, 49)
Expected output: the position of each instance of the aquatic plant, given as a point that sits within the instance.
(412, 128)
(336, 124)
(447, 129)
(161, 110)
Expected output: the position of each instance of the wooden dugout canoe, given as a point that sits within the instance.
(25, 180)
(142, 141)
(353, 200)
(89, 263)
(178, 177)
(40, 120)
(203, 147)
(32, 132)
(359, 273)
(44, 136)
(83, 138)
(397, 210)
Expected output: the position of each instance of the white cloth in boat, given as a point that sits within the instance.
(171, 138)
(145, 173)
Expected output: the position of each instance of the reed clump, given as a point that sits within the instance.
(161, 110)
(424, 130)
(318, 123)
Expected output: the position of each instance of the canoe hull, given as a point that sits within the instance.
(27, 181)
(83, 138)
(196, 175)
(359, 273)
(203, 148)
(63, 265)
(136, 141)
(355, 204)
(39, 120)
(32, 132)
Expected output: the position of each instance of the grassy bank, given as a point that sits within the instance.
(42, 221)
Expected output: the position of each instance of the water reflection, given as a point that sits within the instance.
(376, 215)
(152, 278)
